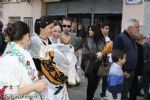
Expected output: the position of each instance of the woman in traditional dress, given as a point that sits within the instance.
(18, 74)
(40, 44)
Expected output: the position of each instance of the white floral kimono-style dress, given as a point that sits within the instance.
(17, 70)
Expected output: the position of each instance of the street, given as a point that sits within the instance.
(79, 92)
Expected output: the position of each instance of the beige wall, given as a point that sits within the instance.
(16, 10)
(146, 22)
(23, 9)
(1, 13)
(132, 11)
(35, 9)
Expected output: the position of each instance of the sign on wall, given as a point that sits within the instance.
(133, 2)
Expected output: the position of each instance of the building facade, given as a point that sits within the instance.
(24, 10)
(85, 12)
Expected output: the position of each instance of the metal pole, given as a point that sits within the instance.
(92, 11)
(92, 18)
(67, 9)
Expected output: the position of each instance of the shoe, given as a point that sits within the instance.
(104, 98)
(147, 97)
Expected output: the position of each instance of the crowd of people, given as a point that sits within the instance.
(124, 71)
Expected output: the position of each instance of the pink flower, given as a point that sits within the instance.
(28, 63)
(2, 91)
(8, 52)
(31, 73)
(34, 77)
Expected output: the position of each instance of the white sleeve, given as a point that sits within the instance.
(9, 75)
(35, 47)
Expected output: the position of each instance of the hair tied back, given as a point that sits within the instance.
(10, 30)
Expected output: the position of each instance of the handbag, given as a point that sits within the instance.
(52, 72)
(103, 71)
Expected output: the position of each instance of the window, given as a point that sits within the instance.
(14, 19)
(29, 22)
(1, 14)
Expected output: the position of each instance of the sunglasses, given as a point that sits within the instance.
(69, 26)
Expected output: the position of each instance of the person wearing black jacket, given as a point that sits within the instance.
(136, 86)
(2, 40)
(92, 58)
(146, 71)
(105, 29)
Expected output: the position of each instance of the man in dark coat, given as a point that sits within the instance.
(136, 86)
(126, 42)
(146, 72)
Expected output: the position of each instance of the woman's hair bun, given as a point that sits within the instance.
(17, 30)
(10, 30)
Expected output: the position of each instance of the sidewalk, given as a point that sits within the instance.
(79, 92)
